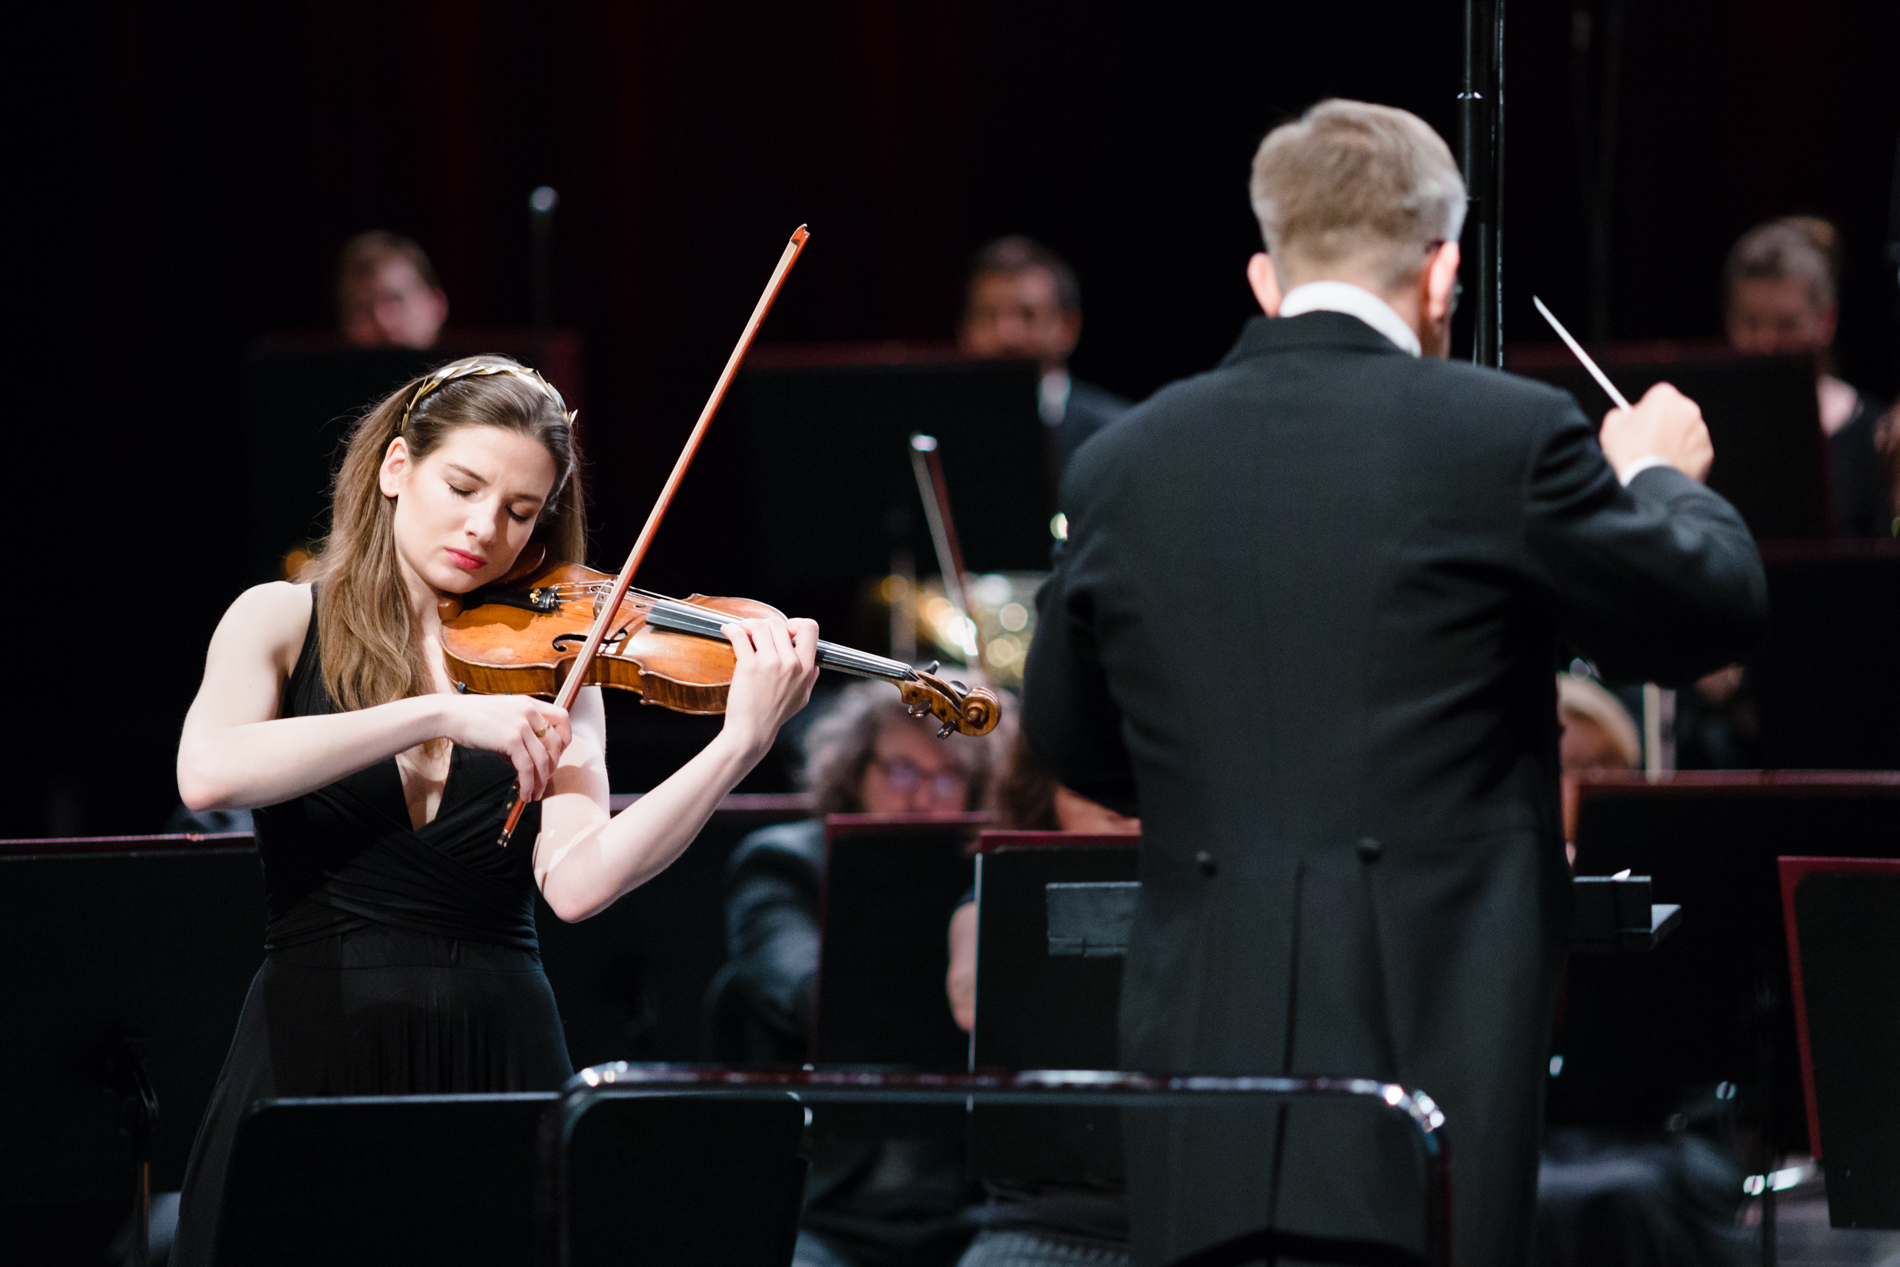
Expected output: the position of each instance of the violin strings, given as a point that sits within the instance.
(708, 619)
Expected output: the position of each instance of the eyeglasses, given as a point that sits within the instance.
(904, 776)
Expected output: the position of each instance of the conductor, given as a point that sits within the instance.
(1305, 625)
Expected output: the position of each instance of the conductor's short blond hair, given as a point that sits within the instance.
(1354, 187)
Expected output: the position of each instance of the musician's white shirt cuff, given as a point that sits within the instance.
(1637, 467)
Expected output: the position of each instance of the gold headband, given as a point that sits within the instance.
(482, 369)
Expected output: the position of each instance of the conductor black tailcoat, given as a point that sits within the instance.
(1308, 610)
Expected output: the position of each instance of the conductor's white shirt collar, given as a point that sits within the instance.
(1354, 301)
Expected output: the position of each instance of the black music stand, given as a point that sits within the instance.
(1640, 1035)
(1770, 454)
(1827, 681)
(1048, 997)
(829, 448)
(468, 1179)
(824, 442)
(1843, 918)
(383, 1179)
(671, 1180)
(129, 962)
(891, 885)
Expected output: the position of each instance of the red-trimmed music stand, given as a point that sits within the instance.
(1843, 922)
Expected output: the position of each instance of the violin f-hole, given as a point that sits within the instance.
(613, 639)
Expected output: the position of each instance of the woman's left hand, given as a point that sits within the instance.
(777, 665)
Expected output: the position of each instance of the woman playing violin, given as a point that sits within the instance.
(400, 947)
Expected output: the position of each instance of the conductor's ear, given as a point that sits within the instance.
(1265, 283)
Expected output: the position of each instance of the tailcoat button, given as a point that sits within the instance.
(1207, 864)
(1370, 850)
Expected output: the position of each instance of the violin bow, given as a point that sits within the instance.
(927, 464)
(577, 676)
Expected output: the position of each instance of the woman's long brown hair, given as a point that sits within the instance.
(370, 648)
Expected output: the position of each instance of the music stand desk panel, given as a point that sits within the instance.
(1041, 1010)
(150, 941)
(890, 887)
(1771, 456)
(1827, 680)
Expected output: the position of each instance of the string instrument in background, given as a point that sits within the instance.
(574, 627)
(526, 641)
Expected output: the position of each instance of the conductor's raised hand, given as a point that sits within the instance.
(1663, 424)
(777, 665)
(528, 732)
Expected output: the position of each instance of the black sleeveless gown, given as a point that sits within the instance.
(397, 961)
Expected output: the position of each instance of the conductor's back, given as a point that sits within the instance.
(1307, 618)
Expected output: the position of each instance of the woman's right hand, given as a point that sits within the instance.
(528, 732)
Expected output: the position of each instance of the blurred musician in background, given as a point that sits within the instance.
(1887, 441)
(387, 295)
(1780, 288)
(1598, 734)
(1336, 714)
(1023, 301)
(899, 1201)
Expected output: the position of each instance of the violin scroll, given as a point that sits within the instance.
(964, 710)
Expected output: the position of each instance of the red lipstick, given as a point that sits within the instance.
(466, 561)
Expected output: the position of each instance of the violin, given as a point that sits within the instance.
(580, 627)
(525, 639)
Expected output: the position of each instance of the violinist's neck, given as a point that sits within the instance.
(423, 601)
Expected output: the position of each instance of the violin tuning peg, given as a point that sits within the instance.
(960, 686)
(933, 666)
(949, 728)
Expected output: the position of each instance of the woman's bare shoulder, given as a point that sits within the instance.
(270, 619)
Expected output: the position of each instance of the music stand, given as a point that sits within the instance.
(382, 1179)
(472, 1178)
(130, 961)
(1046, 1005)
(1826, 681)
(1844, 944)
(1763, 416)
(677, 1180)
(890, 887)
(823, 442)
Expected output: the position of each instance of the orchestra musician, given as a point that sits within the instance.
(401, 955)
(1781, 286)
(1023, 300)
(387, 295)
(1305, 625)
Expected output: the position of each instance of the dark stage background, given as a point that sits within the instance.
(182, 176)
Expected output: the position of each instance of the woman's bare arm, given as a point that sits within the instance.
(236, 753)
(585, 860)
